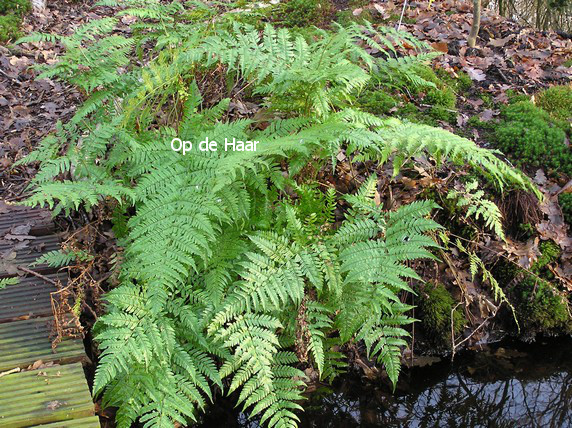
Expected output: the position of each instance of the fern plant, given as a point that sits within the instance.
(227, 281)
(479, 207)
(4, 282)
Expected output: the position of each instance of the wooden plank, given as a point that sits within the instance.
(89, 422)
(14, 254)
(45, 396)
(20, 220)
(29, 298)
(26, 341)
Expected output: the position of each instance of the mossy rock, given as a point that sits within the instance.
(436, 305)
(565, 201)
(540, 309)
(530, 136)
(557, 101)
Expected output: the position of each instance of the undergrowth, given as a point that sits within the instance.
(237, 270)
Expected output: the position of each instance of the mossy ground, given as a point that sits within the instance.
(565, 201)
(428, 104)
(557, 101)
(11, 13)
(304, 13)
(533, 138)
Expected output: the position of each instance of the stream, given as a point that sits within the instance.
(508, 385)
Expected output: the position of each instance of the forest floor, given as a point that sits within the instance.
(509, 58)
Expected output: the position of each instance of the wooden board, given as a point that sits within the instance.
(24, 342)
(45, 396)
(89, 422)
(14, 253)
(18, 219)
(29, 298)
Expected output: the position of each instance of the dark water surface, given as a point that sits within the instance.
(516, 385)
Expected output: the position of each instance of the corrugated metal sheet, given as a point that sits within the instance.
(29, 298)
(45, 396)
(24, 342)
(15, 253)
(39, 221)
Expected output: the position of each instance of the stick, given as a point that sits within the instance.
(39, 275)
(16, 370)
(402, 13)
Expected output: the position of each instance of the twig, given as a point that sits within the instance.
(15, 370)
(455, 346)
(13, 79)
(447, 109)
(402, 13)
(39, 275)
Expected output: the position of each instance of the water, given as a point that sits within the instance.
(517, 385)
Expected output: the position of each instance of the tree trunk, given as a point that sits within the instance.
(502, 8)
(472, 40)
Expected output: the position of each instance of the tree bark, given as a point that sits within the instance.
(472, 40)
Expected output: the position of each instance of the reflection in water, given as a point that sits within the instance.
(504, 388)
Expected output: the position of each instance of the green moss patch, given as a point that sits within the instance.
(377, 101)
(540, 308)
(533, 138)
(11, 13)
(436, 305)
(557, 101)
(565, 201)
(305, 13)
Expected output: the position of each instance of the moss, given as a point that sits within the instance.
(346, 17)
(515, 97)
(533, 138)
(9, 28)
(487, 98)
(565, 201)
(476, 122)
(11, 13)
(557, 101)
(568, 63)
(436, 305)
(428, 74)
(464, 81)
(15, 7)
(377, 101)
(526, 231)
(305, 13)
(549, 253)
(443, 103)
(459, 84)
(410, 112)
(540, 308)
